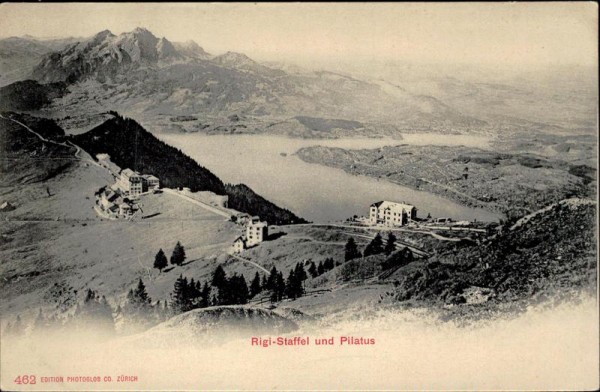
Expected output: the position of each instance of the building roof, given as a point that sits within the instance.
(258, 224)
(240, 238)
(150, 177)
(128, 173)
(394, 206)
(112, 196)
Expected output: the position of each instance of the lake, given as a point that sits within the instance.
(317, 193)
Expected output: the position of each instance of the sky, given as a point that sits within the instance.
(524, 34)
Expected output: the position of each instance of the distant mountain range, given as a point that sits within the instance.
(150, 78)
(19, 55)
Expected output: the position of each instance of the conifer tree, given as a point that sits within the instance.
(312, 270)
(179, 300)
(205, 302)
(193, 294)
(290, 286)
(255, 287)
(390, 246)
(224, 294)
(219, 278)
(351, 250)
(178, 256)
(94, 313)
(375, 246)
(241, 290)
(301, 273)
(320, 268)
(160, 260)
(272, 281)
(138, 306)
(140, 295)
(263, 284)
(328, 265)
(280, 286)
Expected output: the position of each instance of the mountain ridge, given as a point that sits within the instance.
(145, 66)
(149, 77)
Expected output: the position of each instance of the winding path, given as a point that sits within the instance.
(197, 202)
(250, 262)
(67, 144)
(35, 133)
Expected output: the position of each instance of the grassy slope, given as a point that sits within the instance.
(553, 254)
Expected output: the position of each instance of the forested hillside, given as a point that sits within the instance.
(131, 146)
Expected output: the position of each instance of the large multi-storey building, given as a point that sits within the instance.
(256, 231)
(133, 184)
(150, 182)
(391, 213)
(130, 183)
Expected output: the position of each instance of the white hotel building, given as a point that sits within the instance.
(391, 213)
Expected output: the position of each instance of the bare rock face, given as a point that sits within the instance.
(192, 49)
(233, 59)
(166, 50)
(105, 55)
(140, 45)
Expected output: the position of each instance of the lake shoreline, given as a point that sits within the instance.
(433, 189)
(512, 185)
(270, 166)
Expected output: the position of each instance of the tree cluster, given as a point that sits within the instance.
(188, 295)
(375, 247)
(221, 290)
(138, 310)
(94, 313)
(276, 284)
(323, 266)
(294, 287)
(177, 257)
